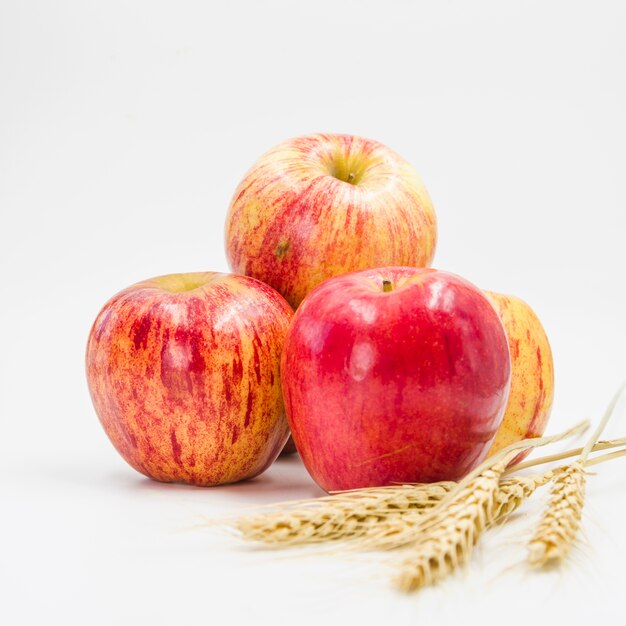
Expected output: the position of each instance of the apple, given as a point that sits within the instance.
(394, 375)
(183, 371)
(322, 205)
(532, 374)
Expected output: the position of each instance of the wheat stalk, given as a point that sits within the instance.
(551, 458)
(559, 525)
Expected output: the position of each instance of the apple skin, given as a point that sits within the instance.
(532, 374)
(295, 220)
(183, 371)
(408, 385)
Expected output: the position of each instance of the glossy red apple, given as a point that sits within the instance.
(183, 371)
(394, 375)
(321, 205)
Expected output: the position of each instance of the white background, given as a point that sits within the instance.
(124, 129)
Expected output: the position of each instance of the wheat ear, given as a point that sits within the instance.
(559, 525)
(382, 516)
(343, 516)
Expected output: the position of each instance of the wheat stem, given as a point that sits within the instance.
(601, 445)
(603, 422)
(605, 457)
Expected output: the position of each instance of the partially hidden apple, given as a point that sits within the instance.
(322, 205)
(183, 371)
(394, 375)
(290, 448)
(532, 374)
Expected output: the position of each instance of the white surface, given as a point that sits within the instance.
(124, 129)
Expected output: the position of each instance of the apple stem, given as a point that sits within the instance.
(387, 286)
(351, 177)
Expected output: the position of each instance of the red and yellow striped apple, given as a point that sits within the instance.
(183, 372)
(321, 205)
(394, 375)
(532, 374)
